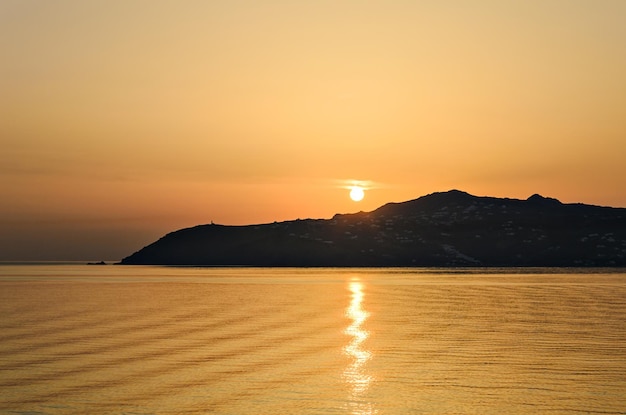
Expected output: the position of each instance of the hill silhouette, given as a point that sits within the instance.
(450, 228)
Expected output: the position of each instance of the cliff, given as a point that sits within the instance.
(441, 229)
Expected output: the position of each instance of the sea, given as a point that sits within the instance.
(79, 339)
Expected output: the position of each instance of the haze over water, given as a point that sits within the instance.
(150, 340)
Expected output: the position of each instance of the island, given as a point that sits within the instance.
(443, 229)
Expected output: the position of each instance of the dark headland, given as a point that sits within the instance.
(450, 228)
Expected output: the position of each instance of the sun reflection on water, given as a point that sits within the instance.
(355, 374)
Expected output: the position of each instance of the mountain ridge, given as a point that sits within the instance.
(452, 228)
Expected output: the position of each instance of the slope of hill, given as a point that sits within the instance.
(441, 229)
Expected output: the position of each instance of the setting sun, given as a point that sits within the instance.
(357, 193)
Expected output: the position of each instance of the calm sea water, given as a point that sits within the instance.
(148, 340)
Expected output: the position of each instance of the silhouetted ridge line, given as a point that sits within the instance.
(450, 228)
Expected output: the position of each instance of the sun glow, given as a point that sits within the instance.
(357, 193)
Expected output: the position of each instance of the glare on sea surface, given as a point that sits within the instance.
(355, 374)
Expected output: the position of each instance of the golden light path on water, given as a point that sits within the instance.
(355, 374)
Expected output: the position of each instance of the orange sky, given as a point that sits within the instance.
(123, 120)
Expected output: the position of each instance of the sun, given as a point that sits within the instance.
(356, 193)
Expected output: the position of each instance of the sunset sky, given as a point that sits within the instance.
(121, 121)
